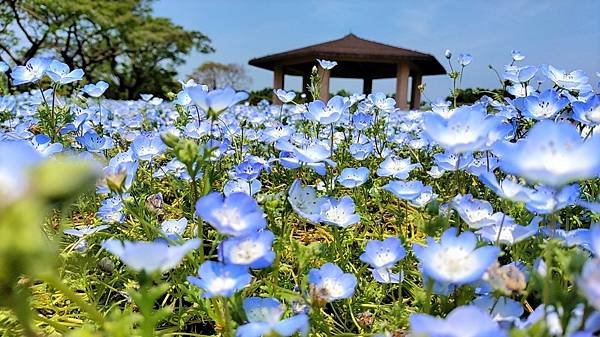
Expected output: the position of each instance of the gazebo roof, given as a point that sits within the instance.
(356, 57)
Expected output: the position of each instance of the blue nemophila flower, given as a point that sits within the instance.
(465, 59)
(264, 319)
(575, 80)
(353, 177)
(396, 167)
(383, 254)
(147, 146)
(253, 250)
(405, 190)
(31, 72)
(476, 213)
(516, 55)
(285, 96)
(362, 120)
(84, 230)
(304, 201)
(3, 67)
(518, 74)
(467, 129)
(545, 105)
(16, 159)
(552, 153)
(448, 161)
(248, 170)
(465, 321)
(589, 282)
(505, 230)
(502, 309)
(217, 100)
(328, 113)
(381, 101)
(111, 210)
(339, 212)
(455, 259)
(330, 283)
(313, 152)
(237, 214)
(361, 151)
(60, 73)
(240, 185)
(94, 142)
(42, 144)
(174, 229)
(507, 188)
(95, 90)
(150, 256)
(217, 279)
(587, 112)
(327, 65)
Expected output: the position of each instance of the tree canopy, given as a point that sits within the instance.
(219, 75)
(118, 41)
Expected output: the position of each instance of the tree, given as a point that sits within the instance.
(219, 75)
(117, 41)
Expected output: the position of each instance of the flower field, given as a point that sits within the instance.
(198, 214)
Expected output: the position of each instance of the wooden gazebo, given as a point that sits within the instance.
(356, 58)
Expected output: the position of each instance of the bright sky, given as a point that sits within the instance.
(565, 34)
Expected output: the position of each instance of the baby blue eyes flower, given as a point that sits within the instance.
(466, 130)
(85, 230)
(285, 96)
(240, 185)
(146, 147)
(237, 215)
(254, 250)
(405, 190)
(552, 153)
(587, 112)
(465, 59)
(476, 213)
(16, 159)
(264, 319)
(353, 177)
(95, 90)
(174, 229)
(362, 121)
(217, 100)
(465, 321)
(304, 201)
(328, 113)
(94, 142)
(382, 256)
(44, 146)
(150, 256)
(31, 72)
(330, 283)
(339, 212)
(545, 105)
(518, 75)
(327, 65)
(505, 230)
(60, 73)
(396, 167)
(248, 169)
(381, 101)
(3, 67)
(517, 56)
(220, 280)
(455, 259)
(575, 80)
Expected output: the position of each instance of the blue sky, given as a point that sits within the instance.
(563, 33)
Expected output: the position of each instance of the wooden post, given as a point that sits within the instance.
(278, 79)
(415, 95)
(367, 85)
(324, 85)
(305, 83)
(402, 86)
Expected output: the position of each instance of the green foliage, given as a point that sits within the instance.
(119, 42)
(471, 95)
(220, 75)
